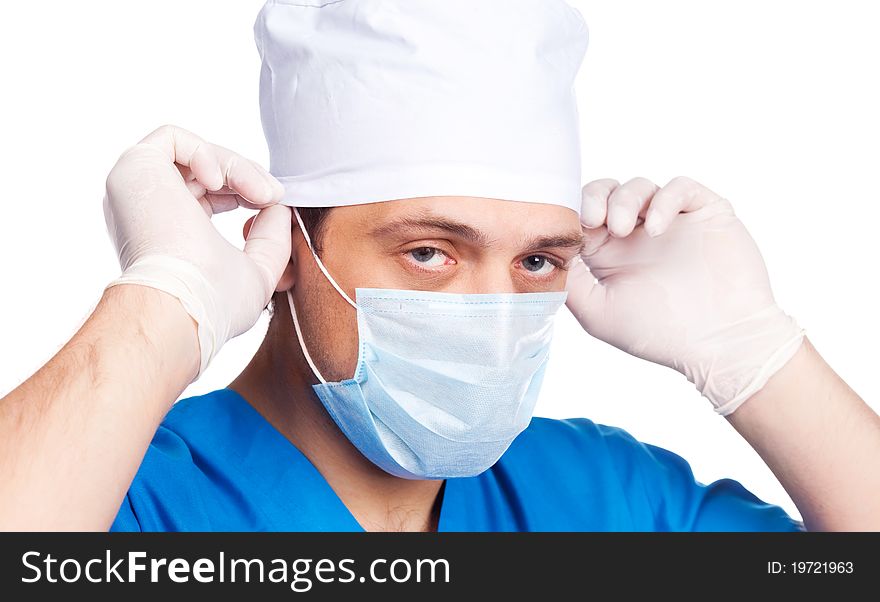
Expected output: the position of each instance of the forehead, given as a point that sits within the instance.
(496, 217)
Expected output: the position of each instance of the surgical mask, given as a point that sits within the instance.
(444, 382)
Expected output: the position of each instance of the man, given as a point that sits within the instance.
(410, 410)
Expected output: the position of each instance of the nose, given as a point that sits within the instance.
(488, 277)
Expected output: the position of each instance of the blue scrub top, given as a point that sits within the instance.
(215, 464)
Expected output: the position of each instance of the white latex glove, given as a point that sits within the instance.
(695, 296)
(160, 197)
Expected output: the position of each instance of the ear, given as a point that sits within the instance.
(287, 277)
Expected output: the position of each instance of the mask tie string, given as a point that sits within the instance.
(320, 264)
(302, 343)
(318, 260)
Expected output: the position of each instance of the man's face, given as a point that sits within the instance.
(447, 244)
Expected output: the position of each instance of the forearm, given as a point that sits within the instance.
(821, 440)
(73, 435)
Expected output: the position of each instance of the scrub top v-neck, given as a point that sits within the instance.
(215, 464)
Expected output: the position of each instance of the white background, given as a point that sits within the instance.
(771, 104)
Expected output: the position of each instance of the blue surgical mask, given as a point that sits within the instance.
(444, 382)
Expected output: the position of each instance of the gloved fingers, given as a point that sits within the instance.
(680, 195)
(594, 200)
(627, 203)
(229, 200)
(213, 203)
(249, 222)
(215, 166)
(186, 173)
(586, 296)
(249, 179)
(218, 201)
(594, 239)
(185, 148)
(268, 244)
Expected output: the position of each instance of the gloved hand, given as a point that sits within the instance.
(160, 197)
(693, 294)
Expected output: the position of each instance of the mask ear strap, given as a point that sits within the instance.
(318, 260)
(302, 343)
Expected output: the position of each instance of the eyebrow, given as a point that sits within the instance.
(570, 240)
(459, 229)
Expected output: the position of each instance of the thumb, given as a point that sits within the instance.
(586, 297)
(268, 244)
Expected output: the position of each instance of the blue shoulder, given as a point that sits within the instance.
(639, 486)
(171, 476)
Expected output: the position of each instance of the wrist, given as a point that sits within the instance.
(740, 357)
(159, 324)
(189, 286)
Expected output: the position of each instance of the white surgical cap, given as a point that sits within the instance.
(375, 100)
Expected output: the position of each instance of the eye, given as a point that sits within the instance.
(428, 257)
(538, 265)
